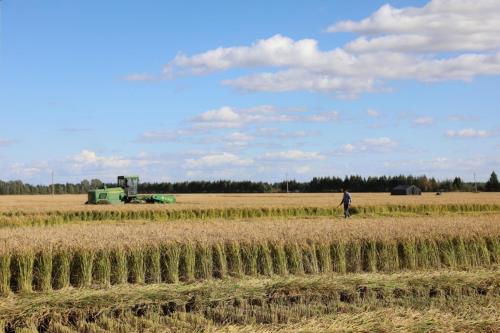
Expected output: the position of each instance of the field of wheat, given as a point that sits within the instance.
(48, 210)
(251, 263)
(43, 203)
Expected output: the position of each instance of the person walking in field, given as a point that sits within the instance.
(346, 201)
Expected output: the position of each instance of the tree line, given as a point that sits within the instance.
(353, 183)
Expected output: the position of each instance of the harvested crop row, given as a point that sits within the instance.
(402, 319)
(188, 261)
(30, 218)
(275, 300)
(45, 258)
(139, 233)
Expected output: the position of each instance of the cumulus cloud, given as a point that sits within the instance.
(324, 117)
(238, 140)
(223, 159)
(90, 158)
(302, 169)
(461, 117)
(441, 25)
(239, 136)
(300, 79)
(277, 51)
(382, 144)
(423, 121)
(443, 166)
(348, 148)
(138, 77)
(269, 132)
(29, 169)
(228, 117)
(161, 136)
(395, 44)
(467, 133)
(293, 155)
(373, 113)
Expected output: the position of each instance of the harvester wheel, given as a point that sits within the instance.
(137, 201)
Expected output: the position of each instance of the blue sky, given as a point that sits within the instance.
(225, 89)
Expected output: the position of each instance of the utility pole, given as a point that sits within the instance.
(52, 173)
(287, 182)
(475, 184)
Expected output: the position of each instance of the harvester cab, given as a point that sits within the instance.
(129, 185)
(126, 192)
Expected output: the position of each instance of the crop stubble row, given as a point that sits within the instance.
(265, 301)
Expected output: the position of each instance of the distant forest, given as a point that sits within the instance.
(317, 184)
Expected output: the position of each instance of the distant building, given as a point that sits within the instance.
(406, 190)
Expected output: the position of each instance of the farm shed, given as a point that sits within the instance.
(406, 190)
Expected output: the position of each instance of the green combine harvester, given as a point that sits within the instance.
(126, 192)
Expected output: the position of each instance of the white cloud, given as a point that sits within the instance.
(90, 158)
(277, 50)
(396, 44)
(324, 117)
(382, 144)
(29, 169)
(228, 117)
(300, 79)
(163, 136)
(239, 136)
(423, 121)
(224, 117)
(138, 77)
(238, 140)
(467, 133)
(223, 159)
(441, 25)
(302, 169)
(460, 117)
(89, 164)
(348, 148)
(293, 155)
(268, 132)
(373, 113)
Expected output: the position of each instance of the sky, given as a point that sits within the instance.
(253, 90)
